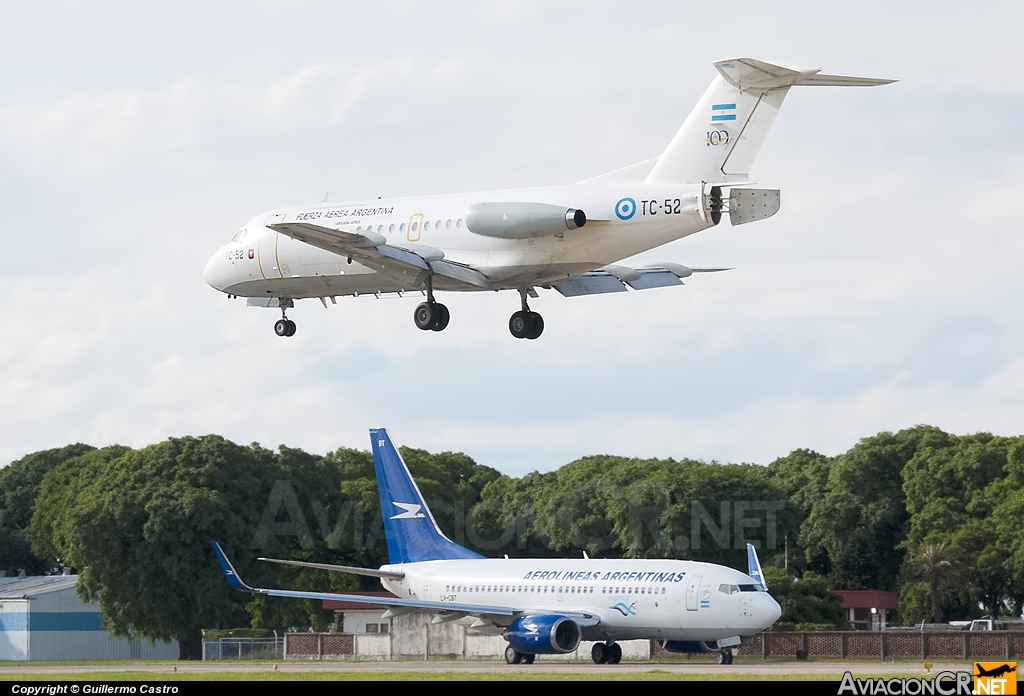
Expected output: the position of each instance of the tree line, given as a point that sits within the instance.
(931, 515)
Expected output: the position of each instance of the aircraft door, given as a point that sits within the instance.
(692, 590)
(266, 251)
(412, 233)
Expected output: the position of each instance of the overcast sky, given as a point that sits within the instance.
(135, 138)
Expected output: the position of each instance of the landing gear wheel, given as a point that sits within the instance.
(538, 326)
(599, 653)
(442, 318)
(519, 324)
(512, 657)
(614, 654)
(425, 315)
(724, 657)
(528, 659)
(284, 327)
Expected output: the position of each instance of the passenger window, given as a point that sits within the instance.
(448, 225)
(426, 226)
(437, 225)
(458, 223)
(415, 226)
(391, 229)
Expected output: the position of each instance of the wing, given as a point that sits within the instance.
(412, 262)
(488, 615)
(616, 278)
(370, 572)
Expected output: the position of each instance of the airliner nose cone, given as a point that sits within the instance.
(772, 610)
(215, 272)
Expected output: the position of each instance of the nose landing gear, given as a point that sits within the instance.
(524, 323)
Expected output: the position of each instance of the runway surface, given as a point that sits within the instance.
(748, 670)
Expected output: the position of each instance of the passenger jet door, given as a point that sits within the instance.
(692, 588)
(266, 252)
(415, 228)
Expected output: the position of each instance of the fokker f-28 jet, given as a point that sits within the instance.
(546, 606)
(569, 238)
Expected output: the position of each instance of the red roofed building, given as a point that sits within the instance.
(867, 610)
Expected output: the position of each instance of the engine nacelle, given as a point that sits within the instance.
(543, 634)
(522, 220)
(690, 646)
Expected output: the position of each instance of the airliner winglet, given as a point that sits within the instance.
(576, 239)
(545, 605)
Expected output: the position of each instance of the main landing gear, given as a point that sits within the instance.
(431, 315)
(284, 326)
(724, 657)
(514, 658)
(524, 323)
(606, 653)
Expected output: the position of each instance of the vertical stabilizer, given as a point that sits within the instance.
(721, 137)
(410, 530)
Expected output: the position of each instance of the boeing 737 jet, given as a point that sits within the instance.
(567, 238)
(546, 606)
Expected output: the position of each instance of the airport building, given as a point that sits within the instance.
(41, 618)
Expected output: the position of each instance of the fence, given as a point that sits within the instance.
(244, 649)
(884, 645)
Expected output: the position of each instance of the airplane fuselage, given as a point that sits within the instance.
(664, 599)
(622, 220)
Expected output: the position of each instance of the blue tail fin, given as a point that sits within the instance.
(754, 567)
(410, 529)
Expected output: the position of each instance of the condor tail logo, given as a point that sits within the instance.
(410, 511)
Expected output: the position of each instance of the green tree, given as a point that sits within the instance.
(807, 600)
(862, 520)
(138, 527)
(19, 485)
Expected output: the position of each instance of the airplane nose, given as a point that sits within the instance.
(772, 610)
(215, 273)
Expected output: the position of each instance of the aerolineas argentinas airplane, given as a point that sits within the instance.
(563, 237)
(547, 606)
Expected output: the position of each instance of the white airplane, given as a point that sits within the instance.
(524, 238)
(569, 238)
(546, 606)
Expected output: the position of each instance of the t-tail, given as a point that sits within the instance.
(720, 138)
(754, 567)
(409, 527)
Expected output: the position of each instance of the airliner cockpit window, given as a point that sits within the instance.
(239, 235)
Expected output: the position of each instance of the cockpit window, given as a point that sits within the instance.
(749, 588)
(239, 235)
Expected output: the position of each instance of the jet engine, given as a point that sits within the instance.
(543, 634)
(522, 220)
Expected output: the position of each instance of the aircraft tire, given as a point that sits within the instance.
(599, 653)
(291, 328)
(442, 318)
(520, 324)
(528, 659)
(537, 327)
(724, 657)
(614, 654)
(425, 315)
(281, 327)
(512, 657)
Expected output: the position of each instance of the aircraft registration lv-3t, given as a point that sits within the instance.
(569, 238)
(546, 606)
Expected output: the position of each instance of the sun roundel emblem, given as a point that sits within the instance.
(625, 209)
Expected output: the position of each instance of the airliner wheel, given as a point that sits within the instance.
(512, 657)
(442, 318)
(528, 659)
(284, 327)
(614, 654)
(599, 653)
(426, 315)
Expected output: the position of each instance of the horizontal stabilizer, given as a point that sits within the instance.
(749, 74)
(369, 572)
